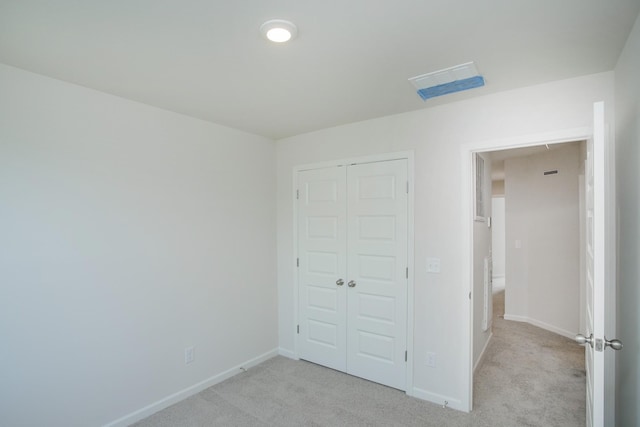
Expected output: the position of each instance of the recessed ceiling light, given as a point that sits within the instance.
(279, 30)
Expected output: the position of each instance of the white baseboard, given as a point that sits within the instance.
(189, 391)
(541, 325)
(438, 399)
(482, 354)
(287, 353)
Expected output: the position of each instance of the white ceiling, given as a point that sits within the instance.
(350, 62)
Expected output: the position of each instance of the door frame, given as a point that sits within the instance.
(400, 155)
(467, 151)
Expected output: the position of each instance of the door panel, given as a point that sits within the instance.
(377, 261)
(595, 274)
(322, 261)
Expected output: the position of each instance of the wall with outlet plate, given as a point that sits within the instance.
(129, 234)
(438, 136)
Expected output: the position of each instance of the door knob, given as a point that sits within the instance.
(351, 283)
(339, 282)
(582, 340)
(614, 344)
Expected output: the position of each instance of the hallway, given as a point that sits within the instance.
(532, 372)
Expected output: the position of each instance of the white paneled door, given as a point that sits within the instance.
(595, 215)
(594, 277)
(598, 347)
(377, 268)
(353, 251)
(322, 266)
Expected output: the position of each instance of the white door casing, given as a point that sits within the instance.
(554, 137)
(353, 230)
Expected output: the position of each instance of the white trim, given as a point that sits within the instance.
(189, 391)
(294, 261)
(439, 399)
(466, 152)
(467, 274)
(610, 268)
(398, 155)
(483, 353)
(540, 324)
(530, 140)
(412, 274)
(409, 156)
(479, 181)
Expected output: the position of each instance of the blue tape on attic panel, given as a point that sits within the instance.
(455, 86)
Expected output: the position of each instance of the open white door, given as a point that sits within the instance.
(596, 222)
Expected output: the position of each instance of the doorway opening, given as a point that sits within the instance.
(534, 142)
(535, 246)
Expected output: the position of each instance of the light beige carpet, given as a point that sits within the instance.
(529, 377)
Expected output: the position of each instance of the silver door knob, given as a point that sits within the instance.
(339, 282)
(614, 344)
(582, 340)
(351, 283)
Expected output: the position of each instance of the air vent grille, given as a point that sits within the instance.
(449, 80)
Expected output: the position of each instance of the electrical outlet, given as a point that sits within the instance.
(431, 359)
(433, 265)
(189, 355)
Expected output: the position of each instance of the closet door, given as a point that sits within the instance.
(322, 268)
(377, 227)
(352, 261)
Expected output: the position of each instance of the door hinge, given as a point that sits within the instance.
(405, 355)
(297, 262)
(298, 328)
(407, 272)
(297, 194)
(407, 187)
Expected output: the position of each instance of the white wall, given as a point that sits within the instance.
(627, 90)
(128, 234)
(481, 250)
(437, 136)
(498, 238)
(542, 214)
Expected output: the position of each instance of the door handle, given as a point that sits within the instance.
(339, 282)
(351, 283)
(614, 344)
(582, 340)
